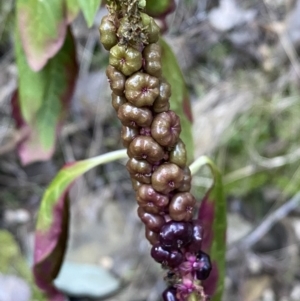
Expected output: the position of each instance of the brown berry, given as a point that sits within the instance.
(166, 128)
(150, 200)
(167, 177)
(135, 184)
(152, 57)
(145, 148)
(126, 59)
(141, 89)
(117, 101)
(134, 117)
(178, 154)
(116, 80)
(128, 134)
(182, 206)
(151, 236)
(161, 103)
(140, 170)
(187, 179)
(153, 222)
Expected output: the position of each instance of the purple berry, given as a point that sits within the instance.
(175, 234)
(159, 254)
(170, 294)
(175, 259)
(205, 266)
(197, 237)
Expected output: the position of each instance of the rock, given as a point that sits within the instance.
(85, 280)
(13, 288)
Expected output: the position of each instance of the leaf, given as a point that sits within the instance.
(12, 262)
(180, 102)
(43, 98)
(212, 213)
(159, 9)
(89, 9)
(53, 221)
(42, 27)
(72, 7)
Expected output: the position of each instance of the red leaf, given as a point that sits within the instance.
(51, 90)
(50, 248)
(212, 214)
(53, 221)
(42, 27)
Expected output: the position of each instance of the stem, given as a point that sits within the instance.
(110, 157)
(198, 164)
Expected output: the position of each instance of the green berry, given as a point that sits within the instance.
(178, 154)
(141, 89)
(126, 59)
(108, 36)
(151, 28)
(152, 57)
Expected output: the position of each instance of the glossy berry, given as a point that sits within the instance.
(166, 128)
(170, 294)
(171, 258)
(147, 193)
(195, 244)
(150, 200)
(153, 222)
(134, 117)
(117, 101)
(151, 28)
(151, 236)
(205, 266)
(175, 259)
(167, 177)
(126, 59)
(160, 254)
(145, 148)
(128, 134)
(135, 184)
(161, 103)
(187, 180)
(152, 59)
(107, 29)
(116, 80)
(141, 89)
(181, 207)
(178, 154)
(176, 234)
(140, 170)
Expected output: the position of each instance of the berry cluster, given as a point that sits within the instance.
(157, 156)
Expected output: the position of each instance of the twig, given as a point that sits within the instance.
(262, 229)
(261, 164)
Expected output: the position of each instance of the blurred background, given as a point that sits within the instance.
(240, 61)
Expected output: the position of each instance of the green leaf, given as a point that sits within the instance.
(180, 102)
(73, 9)
(43, 98)
(89, 9)
(159, 8)
(42, 27)
(53, 221)
(12, 262)
(212, 214)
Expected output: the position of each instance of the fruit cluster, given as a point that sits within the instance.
(157, 156)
